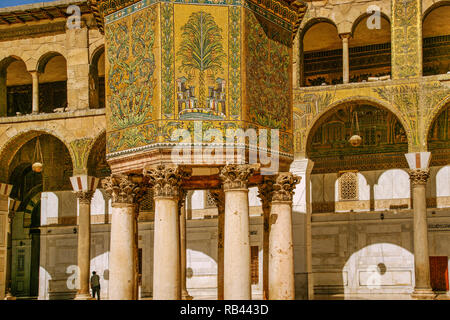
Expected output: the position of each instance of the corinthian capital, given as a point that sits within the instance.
(419, 176)
(235, 176)
(284, 186)
(123, 189)
(84, 196)
(166, 181)
(265, 191)
(219, 198)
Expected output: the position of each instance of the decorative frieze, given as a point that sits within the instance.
(166, 181)
(236, 176)
(123, 189)
(284, 186)
(419, 176)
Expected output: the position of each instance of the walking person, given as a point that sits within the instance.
(95, 285)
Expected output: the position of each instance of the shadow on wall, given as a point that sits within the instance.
(59, 242)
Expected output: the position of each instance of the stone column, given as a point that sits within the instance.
(265, 190)
(84, 187)
(5, 190)
(302, 229)
(281, 248)
(84, 243)
(126, 193)
(13, 207)
(166, 182)
(418, 163)
(182, 208)
(345, 58)
(35, 105)
(237, 280)
(219, 198)
(422, 288)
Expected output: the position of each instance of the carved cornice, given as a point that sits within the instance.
(235, 176)
(84, 196)
(284, 186)
(123, 189)
(419, 176)
(29, 31)
(166, 181)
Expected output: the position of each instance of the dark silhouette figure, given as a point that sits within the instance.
(95, 285)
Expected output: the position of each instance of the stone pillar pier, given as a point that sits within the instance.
(166, 182)
(304, 282)
(219, 199)
(126, 193)
(237, 281)
(419, 173)
(345, 58)
(5, 190)
(84, 188)
(281, 248)
(182, 209)
(265, 190)
(35, 104)
(13, 207)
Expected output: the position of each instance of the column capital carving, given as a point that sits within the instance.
(236, 176)
(419, 176)
(284, 186)
(84, 196)
(265, 190)
(123, 189)
(219, 198)
(166, 181)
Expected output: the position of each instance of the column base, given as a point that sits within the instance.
(186, 296)
(83, 296)
(423, 294)
(9, 296)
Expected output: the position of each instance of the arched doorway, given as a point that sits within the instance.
(353, 191)
(436, 39)
(27, 188)
(321, 60)
(15, 88)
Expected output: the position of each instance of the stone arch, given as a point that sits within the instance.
(93, 151)
(440, 107)
(36, 60)
(12, 145)
(97, 78)
(364, 15)
(430, 5)
(45, 58)
(357, 99)
(311, 22)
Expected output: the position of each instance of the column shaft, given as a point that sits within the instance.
(345, 60)
(35, 103)
(121, 257)
(421, 258)
(281, 252)
(84, 244)
(237, 282)
(166, 270)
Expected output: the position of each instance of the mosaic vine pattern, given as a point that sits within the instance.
(167, 57)
(235, 62)
(268, 74)
(406, 39)
(131, 79)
